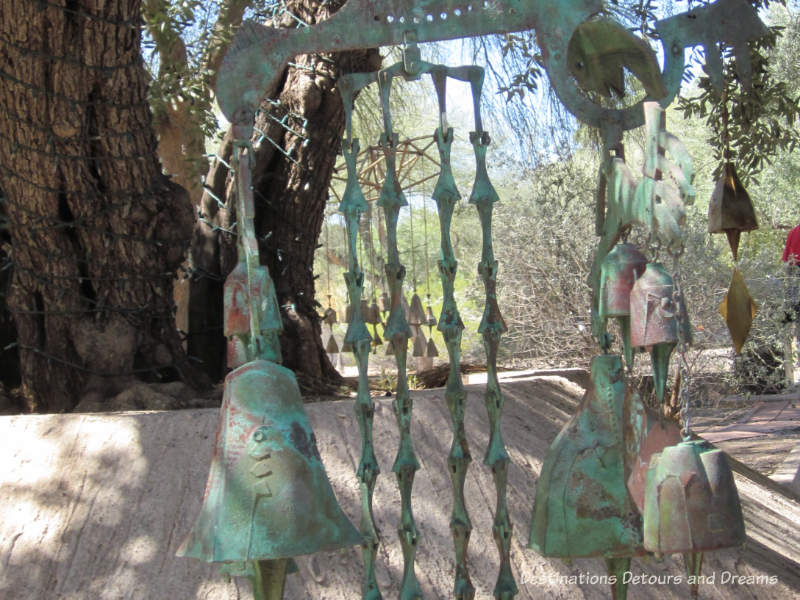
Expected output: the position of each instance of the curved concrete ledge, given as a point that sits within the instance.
(93, 507)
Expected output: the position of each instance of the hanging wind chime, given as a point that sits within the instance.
(731, 211)
(267, 498)
(584, 505)
(329, 316)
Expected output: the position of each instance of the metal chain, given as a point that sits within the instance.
(397, 332)
(684, 340)
(492, 328)
(352, 205)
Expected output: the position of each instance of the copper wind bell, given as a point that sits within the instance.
(654, 323)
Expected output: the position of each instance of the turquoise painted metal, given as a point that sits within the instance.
(259, 54)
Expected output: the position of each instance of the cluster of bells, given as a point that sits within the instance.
(620, 480)
(372, 313)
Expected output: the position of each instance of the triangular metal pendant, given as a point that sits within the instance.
(738, 309)
(431, 351)
(332, 347)
(416, 314)
(420, 344)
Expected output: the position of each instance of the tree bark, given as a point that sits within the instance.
(294, 163)
(96, 229)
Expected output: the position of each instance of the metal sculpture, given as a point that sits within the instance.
(575, 48)
(267, 497)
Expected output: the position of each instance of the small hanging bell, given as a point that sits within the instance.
(386, 302)
(373, 315)
(738, 309)
(267, 495)
(618, 272)
(346, 346)
(416, 314)
(348, 314)
(730, 209)
(329, 316)
(420, 343)
(364, 310)
(236, 298)
(653, 311)
(431, 351)
(430, 320)
(691, 502)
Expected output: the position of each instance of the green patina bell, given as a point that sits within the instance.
(618, 272)
(267, 495)
(582, 506)
(691, 502)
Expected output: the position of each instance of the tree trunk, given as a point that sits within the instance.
(97, 230)
(294, 162)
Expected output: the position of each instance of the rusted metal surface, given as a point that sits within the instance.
(660, 433)
(738, 309)
(691, 502)
(653, 312)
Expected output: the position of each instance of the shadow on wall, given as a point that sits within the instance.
(94, 506)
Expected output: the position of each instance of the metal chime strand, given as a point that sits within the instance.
(352, 205)
(446, 196)
(397, 332)
(492, 328)
(683, 344)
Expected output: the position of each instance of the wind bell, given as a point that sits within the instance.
(267, 497)
(618, 272)
(654, 323)
(731, 211)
